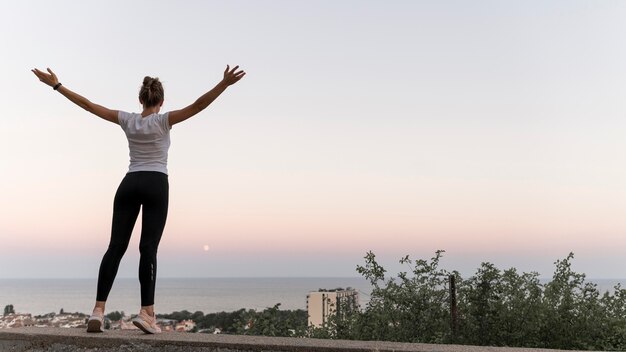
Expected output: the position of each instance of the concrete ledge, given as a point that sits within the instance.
(69, 340)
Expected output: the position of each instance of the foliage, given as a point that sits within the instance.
(272, 322)
(115, 316)
(500, 308)
(178, 316)
(223, 321)
(495, 308)
(340, 325)
(8, 309)
(412, 307)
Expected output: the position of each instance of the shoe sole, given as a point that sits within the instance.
(94, 325)
(146, 329)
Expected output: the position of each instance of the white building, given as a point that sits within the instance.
(185, 325)
(324, 303)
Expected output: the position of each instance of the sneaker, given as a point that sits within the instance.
(96, 322)
(146, 323)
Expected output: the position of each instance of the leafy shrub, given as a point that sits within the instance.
(495, 308)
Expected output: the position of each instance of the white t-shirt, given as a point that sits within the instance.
(148, 140)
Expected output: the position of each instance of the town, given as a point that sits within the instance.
(321, 305)
(79, 320)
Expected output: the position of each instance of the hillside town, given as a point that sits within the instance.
(321, 306)
(79, 320)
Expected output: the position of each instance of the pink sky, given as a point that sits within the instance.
(496, 134)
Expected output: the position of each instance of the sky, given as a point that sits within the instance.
(492, 130)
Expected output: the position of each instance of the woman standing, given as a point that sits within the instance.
(144, 186)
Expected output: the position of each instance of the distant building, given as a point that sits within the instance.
(185, 325)
(62, 320)
(18, 320)
(324, 303)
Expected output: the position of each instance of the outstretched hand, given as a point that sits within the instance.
(47, 78)
(232, 76)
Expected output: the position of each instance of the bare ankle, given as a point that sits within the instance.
(149, 310)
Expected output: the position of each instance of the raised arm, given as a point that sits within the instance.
(98, 110)
(230, 77)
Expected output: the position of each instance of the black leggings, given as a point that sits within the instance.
(143, 188)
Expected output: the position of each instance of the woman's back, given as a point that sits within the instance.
(148, 140)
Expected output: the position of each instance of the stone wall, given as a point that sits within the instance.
(35, 339)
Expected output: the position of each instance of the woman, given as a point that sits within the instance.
(145, 185)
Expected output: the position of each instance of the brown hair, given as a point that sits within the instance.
(151, 93)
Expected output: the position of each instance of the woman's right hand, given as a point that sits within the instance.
(49, 79)
(232, 76)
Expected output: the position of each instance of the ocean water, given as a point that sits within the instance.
(209, 295)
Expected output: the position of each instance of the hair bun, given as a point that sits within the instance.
(149, 82)
(151, 92)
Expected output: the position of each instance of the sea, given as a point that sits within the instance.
(208, 295)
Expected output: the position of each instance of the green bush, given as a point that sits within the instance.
(494, 308)
(115, 316)
(272, 322)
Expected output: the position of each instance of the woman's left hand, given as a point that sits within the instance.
(49, 79)
(232, 76)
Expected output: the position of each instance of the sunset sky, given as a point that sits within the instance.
(494, 130)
